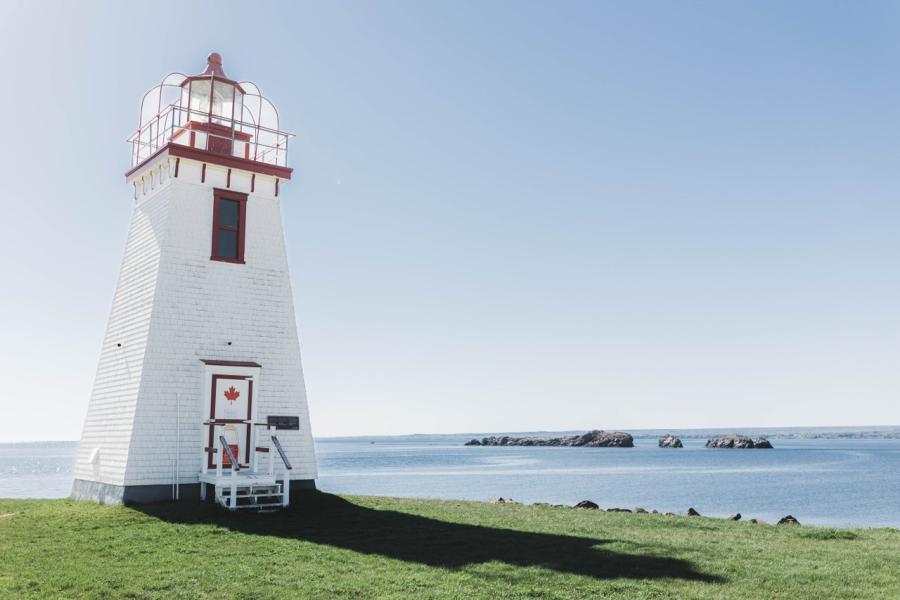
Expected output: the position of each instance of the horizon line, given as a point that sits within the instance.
(636, 429)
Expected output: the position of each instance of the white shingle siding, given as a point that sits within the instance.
(173, 307)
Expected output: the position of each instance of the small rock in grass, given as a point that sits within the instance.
(654, 512)
(640, 510)
(671, 514)
(692, 513)
(587, 504)
(788, 520)
(628, 510)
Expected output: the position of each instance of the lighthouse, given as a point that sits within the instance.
(199, 391)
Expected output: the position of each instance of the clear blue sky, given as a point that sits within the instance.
(506, 215)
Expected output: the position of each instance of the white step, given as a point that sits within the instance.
(227, 492)
(262, 506)
(251, 495)
(263, 490)
(254, 498)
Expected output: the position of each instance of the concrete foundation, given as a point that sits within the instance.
(104, 493)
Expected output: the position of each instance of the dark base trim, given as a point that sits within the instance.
(303, 485)
(105, 493)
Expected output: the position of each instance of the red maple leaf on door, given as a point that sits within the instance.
(232, 394)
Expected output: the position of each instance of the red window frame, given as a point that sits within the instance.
(218, 196)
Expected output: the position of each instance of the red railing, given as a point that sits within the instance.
(220, 135)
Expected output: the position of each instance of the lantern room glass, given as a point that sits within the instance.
(223, 102)
(215, 108)
(199, 104)
(218, 100)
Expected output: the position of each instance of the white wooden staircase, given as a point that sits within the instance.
(258, 497)
(247, 487)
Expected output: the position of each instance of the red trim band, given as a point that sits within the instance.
(204, 156)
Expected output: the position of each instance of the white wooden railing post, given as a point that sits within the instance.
(220, 452)
(233, 487)
(270, 429)
(254, 459)
(286, 478)
(204, 468)
(225, 450)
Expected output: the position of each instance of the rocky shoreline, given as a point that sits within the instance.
(738, 441)
(615, 439)
(591, 439)
(670, 441)
(691, 512)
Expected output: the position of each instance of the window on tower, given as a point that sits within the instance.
(229, 216)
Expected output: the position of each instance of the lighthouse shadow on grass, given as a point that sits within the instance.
(327, 519)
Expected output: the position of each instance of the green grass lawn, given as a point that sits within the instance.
(328, 546)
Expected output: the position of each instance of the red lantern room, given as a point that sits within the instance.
(211, 113)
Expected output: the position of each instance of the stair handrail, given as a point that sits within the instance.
(281, 453)
(286, 481)
(234, 462)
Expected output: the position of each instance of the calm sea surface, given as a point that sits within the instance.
(836, 482)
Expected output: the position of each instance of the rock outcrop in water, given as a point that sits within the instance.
(591, 439)
(737, 441)
(670, 441)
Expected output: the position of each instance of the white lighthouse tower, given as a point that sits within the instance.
(199, 391)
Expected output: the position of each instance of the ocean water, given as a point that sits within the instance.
(834, 482)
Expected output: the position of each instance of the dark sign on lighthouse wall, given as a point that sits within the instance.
(284, 422)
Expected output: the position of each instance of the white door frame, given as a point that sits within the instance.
(248, 371)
